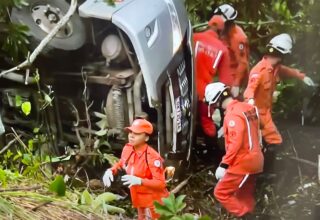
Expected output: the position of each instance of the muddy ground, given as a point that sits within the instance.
(289, 190)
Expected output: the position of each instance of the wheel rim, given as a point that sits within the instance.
(46, 18)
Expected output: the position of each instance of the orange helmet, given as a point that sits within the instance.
(218, 21)
(140, 126)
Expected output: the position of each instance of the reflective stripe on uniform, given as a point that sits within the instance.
(249, 131)
(217, 60)
(244, 180)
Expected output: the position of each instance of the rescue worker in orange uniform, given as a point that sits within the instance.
(145, 171)
(211, 58)
(262, 83)
(243, 158)
(237, 42)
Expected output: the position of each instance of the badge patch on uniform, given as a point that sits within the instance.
(232, 123)
(157, 163)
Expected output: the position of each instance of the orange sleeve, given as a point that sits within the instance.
(254, 81)
(290, 72)
(234, 129)
(124, 155)
(243, 65)
(158, 181)
(116, 167)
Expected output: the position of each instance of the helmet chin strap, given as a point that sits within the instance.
(219, 106)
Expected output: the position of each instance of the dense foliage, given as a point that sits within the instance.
(260, 19)
(13, 37)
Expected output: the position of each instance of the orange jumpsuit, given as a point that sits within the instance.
(148, 165)
(211, 57)
(262, 83)
(244, 159)
(237, 42)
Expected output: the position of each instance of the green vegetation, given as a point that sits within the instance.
(172, 209)
(29, 185)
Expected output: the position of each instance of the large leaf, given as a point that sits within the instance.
(169, 202)
(86, 198)
(102, 199)
(58, 186)
(179, 204)
(26, 108)
(106, 197)
(188, 216)
(164, 211)
(114, 209)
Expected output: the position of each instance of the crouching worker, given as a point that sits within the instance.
(144, 167)
(243, 159)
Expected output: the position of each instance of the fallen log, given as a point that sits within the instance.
(20, 189)
(180, 185)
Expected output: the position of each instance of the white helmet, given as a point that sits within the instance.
(214, 91)
(282, 43)
(228, 12)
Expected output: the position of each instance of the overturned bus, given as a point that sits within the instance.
(108, 65)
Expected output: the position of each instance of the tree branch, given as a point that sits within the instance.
(9, 144)
(20, 189)
(180, 186)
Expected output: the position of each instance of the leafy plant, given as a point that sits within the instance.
(26, 108)
(58, 186)
(8, 176)
(172, 209)
(13, 37)
(100, 203)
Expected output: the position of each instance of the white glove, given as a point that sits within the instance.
(131, 180)
(251, 101)
(308, 81)
(107, 178)
(235, 91)
(216, 117)
(220, 172)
